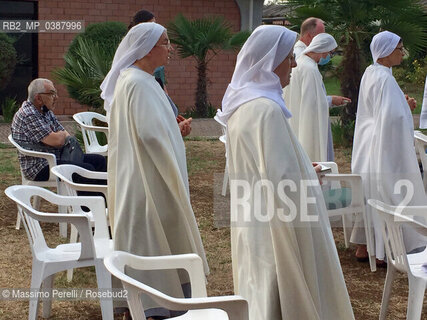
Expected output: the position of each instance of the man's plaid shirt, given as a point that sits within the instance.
(31, 126)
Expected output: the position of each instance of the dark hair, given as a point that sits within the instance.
(139, 17)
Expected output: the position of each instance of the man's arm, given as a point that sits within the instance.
(55, 139)
(339, 100)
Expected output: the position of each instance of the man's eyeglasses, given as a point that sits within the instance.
(52, 93)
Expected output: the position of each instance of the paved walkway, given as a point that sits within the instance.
(200, 128)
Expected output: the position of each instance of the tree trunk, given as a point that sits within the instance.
(201, 92)
(350, 79)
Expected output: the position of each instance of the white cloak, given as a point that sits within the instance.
(299, 47)
(423, 116)
(306, 98)
(286, 270)
(148, 196)
(383, 149)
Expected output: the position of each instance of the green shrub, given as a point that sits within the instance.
(342, 134)
(413, 72)
(9, 108)
(8, 59)
(193, 113)
(88, 61)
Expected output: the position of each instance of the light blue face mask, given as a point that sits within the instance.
(324, 61)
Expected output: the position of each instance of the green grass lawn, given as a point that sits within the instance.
(332, 86)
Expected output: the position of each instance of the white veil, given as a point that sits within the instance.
(253, 76)
(135, 45)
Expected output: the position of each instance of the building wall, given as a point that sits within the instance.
(181, 73)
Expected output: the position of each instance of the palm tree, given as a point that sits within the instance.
(88, 60)
(353, 23)
(202, 39)
(84, 72)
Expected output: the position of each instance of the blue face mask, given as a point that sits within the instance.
(324, 61)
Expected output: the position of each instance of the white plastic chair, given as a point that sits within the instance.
(415, 265)
(420, 147)
(356, 206)
(199, 306)
(48, 261)
(223, 139)
(52, 182)
(69, 188)
(85, 121)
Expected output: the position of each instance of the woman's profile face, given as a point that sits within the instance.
(284, 69)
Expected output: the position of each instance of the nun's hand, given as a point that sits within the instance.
(412, 103)
(317, 169)
(185, 127)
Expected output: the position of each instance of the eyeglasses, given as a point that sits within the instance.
(402, 50)
(166, 44)
(52, 93)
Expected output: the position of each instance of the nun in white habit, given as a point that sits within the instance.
(423, 117)
(285, 266)
(308, 102)
(148, 195)
(383, 147)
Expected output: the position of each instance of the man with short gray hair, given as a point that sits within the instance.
(310, 28)
(34, 124)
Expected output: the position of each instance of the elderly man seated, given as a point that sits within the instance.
(35, 127)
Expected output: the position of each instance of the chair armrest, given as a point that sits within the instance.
(235, 306)
(79, 220)
(94, 128)
(50, 157)
(64, 177)
(95, 204)
(190, 262)
(87, 187)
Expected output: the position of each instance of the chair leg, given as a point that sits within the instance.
(47, 303)
(37, 202)
(391, 271)
(416, 296)
(425, 179)
(73, 239)
(36, 282)
(369, 241)
(63, 226)
(103, 277)
(347, 227)
(225, 181)
(18, 220)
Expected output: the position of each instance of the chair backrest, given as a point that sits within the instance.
(50, 157)
(69, 188)
(392, 220)
(65, 173)
(85, 121)
(22, 195)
